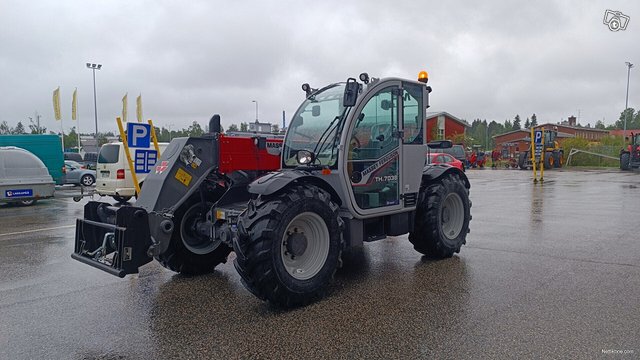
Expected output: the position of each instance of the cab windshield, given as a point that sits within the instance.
(316, 127)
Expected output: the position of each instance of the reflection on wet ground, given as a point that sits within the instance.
(550, 270)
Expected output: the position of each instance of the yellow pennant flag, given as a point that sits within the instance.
(56, 103)
(74, 105)
(124, 108)
(139, 108)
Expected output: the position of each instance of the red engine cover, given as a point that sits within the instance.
(242, 153)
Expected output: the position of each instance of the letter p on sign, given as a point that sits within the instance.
(138, 135)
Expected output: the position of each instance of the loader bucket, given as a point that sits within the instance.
(113, 239)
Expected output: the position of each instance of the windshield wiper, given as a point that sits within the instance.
(327, 131)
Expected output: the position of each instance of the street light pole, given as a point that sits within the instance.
(95, 67)
(256, 109)
(626, 103)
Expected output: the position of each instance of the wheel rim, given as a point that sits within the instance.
(452, 216)
(87, 180)
(305, 246)
(551, 161)
(194, 241)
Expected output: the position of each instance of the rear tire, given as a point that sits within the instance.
(189, 252)
(559, 159)
(442, 218)
(289, 245)
(624, 161)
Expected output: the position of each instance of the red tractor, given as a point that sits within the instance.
(630, 157)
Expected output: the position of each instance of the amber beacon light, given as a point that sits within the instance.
(423, 77)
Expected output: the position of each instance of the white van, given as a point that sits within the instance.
(113, 176)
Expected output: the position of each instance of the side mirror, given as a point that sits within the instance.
(350, 93)
(315, 110)
(297, 121)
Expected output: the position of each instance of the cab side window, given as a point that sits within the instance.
(413, 113)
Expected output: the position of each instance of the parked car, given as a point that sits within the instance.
(24, 178)
(90, 160)
(457, 151)
(78, 174)
(442, 158)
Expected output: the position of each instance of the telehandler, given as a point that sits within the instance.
(352, 170)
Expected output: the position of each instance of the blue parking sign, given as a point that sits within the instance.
(145, 161)
(537, 135)
(138, 135)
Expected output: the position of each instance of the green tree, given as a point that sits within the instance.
(19, 129)
(194, 130)
(5, 128)
(233, 127)
(599, 125)
(33, 126)
(508, 126)
(534, 120)
(627, 114)
(244, 126)
(102, 138)
(71, 139)
(527, 124)
(516, 123)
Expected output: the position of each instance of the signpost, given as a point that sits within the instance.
(139, 137)
(537, 152)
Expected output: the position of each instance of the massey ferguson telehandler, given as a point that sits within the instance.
(352, 170)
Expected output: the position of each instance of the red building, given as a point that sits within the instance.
(510, 143)
(442, 125)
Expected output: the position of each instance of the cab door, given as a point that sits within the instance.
(374, 153)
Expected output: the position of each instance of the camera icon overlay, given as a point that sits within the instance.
(616, 20)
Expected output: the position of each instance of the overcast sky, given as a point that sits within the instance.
(191, 59)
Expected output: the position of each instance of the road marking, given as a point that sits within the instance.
(38, 230)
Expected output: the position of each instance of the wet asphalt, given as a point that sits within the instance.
(549, 271)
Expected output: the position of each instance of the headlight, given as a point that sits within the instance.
(305, 157)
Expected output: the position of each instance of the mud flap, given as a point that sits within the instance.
(113, 239)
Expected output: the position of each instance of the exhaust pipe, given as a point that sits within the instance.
(214, 124)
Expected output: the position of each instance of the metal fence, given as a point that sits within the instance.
(594, 155)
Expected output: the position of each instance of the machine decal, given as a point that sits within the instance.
(183, 177)
(18, 193)
(274, 147)
(162, 167)
(364, 176)
(196, 162)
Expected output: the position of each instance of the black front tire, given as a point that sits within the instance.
(262, 249)
(549, 160)
(442, 218)
(624, 161)
(188, 252)
(522, 160)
